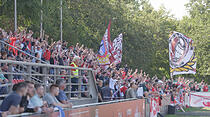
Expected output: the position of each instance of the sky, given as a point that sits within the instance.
(176, 7)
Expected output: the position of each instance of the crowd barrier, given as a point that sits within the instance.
(117, 108)
(147, 107)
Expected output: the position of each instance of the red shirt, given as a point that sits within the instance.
(153, 89)
(205, 89)
(47, 55)
(123, 89)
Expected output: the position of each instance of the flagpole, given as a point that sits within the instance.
(61, 23)
(15, 14)
(41, 23)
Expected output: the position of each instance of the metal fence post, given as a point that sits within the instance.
(69, 83)
(79, 83)
(10, 77)
(44, 70)
(92, 86)
(29, 72)
(56, 73)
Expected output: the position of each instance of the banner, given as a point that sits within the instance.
(133, 108)
(182, 59)
(154, 107)
(200, 99)
(117, 51)
(103, 52)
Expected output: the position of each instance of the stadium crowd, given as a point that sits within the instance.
(115, 82)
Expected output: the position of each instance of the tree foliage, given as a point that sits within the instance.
(145, 30)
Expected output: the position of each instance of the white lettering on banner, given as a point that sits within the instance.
(137, 113)
(78, 113)
(96, 113)
(200, 99)
(119, 114)
(129, 111)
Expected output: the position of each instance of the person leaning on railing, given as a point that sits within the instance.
(52, 100)
(37, 102)
(25, 99)
(62, 95)
(11, 104)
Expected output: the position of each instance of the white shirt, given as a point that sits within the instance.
(140, 91)
(112, 83)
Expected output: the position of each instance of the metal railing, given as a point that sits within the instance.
(47, 74)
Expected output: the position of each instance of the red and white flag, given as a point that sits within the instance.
(154, 107)
(117, 49)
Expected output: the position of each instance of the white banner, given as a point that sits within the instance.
(200, 99)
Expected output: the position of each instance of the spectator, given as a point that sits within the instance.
(75, 74)
(3, 80)
(112, 82)
(99, 86)
(11, 104)
(131, 92)
(205, 88)
(106, 92)
(37, 103)
(25, 99)
(62, 96)
(124, 88)
(52, 100)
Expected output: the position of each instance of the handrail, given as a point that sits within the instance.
(43, 73)
(42, 65)
(23, 52)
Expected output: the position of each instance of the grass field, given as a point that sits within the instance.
(194, 109)
(190, 110)
(183, 116)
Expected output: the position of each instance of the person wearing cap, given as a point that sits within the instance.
(75, 74)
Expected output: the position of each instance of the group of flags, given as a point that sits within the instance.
(110, 52)
(182, 58)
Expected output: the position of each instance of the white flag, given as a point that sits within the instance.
(117, 51)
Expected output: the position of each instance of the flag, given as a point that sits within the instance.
(182, 58)
(104, 51)
(117, 49)
(61, 112)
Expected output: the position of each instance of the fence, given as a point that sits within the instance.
(118, 108)
(47, 74)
